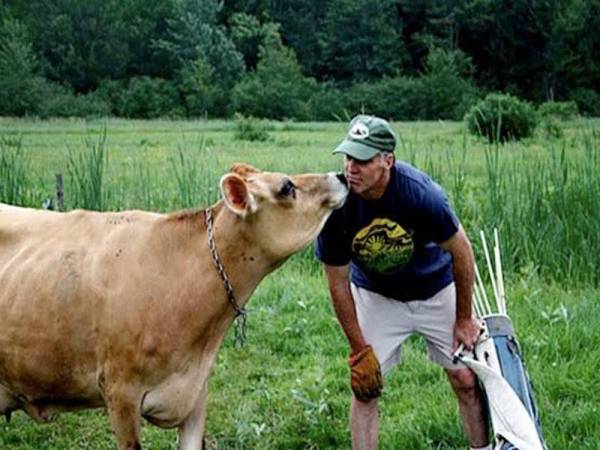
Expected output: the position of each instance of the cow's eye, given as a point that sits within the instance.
(288, 189)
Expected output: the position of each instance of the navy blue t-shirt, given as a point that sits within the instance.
(391, 242)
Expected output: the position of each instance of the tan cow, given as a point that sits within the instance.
(127, 310)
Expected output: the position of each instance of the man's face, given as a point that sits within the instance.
(368, 178)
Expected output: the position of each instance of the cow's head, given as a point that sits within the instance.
(284, 212)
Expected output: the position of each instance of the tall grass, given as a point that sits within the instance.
(14, 170)
(86, 170)
(195, 174)
(546, 206)
(544, 202)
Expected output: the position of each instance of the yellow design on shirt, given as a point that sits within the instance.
(383, 246)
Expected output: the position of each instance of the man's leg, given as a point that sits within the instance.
(385, 324)
(364, 424)
(471, 406)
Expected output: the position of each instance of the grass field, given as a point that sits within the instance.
(288, 389)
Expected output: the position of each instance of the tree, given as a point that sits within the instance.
(79, 43)
(19, 81)
(360, 40)
(277, 89)
(194, 38)
(301, 21)
(248, 34)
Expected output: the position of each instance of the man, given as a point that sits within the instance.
(398, 262)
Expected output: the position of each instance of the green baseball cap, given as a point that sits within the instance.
(367, 136)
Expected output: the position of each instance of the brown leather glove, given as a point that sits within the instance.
(365, 374)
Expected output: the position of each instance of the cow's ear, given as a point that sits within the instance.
(236, 194)
(243, 170)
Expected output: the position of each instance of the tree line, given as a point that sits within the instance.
(293, 59)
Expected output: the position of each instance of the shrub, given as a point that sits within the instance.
(328, 103)
(550, 128)
(558, 110)
(60, 101)
(392, 98)
(149, 98)
(552, 114)
(588, 101)
(502, 117)
(113, 92)
(250, 129)
(445, 91)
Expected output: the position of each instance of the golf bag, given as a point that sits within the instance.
(498, 363)
(499, 349)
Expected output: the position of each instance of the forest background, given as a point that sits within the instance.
(294, 59)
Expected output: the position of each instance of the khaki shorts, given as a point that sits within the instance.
(386, 323)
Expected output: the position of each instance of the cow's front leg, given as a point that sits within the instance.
(124, 405)
(191, 432)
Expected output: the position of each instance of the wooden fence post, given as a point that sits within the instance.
(60, 193)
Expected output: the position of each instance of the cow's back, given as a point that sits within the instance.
(53, 274)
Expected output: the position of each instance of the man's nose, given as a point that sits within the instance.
(351, 165)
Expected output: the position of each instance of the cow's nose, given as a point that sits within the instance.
(340, 176)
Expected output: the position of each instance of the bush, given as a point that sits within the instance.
(59, 101)
(113, 92)
(250, 129)
(391, 98)
(552, 114)
(445, 91)
(328, 103)
(149, 98)
(558, 110)
(588, 101)
(502, 117)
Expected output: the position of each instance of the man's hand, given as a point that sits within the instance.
(466, 331)
(365, 375)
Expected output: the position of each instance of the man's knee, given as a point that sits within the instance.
(462, 379)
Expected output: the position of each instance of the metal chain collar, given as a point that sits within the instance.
(241, 325)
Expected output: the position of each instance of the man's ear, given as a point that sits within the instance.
(388, 159)
(236, 194)
(243, 170)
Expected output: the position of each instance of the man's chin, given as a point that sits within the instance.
(356, 188)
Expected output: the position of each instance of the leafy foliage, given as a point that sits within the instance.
(277, 89)
(359, 40)
(200, 49)
(54, 53)
(20, 85)
(558, 110)
(148, 98)
(250, 129)
(502, 117)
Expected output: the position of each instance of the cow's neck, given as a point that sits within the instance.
(243, 261)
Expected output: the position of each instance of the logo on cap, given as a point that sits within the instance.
(359, 131)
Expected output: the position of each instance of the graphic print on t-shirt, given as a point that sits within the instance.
(383, 246)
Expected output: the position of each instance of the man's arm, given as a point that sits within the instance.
(466, 328)
(343, 304)
(365, 373)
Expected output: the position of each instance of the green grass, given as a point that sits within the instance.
(288, 389)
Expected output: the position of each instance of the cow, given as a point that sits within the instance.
(127, 310)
